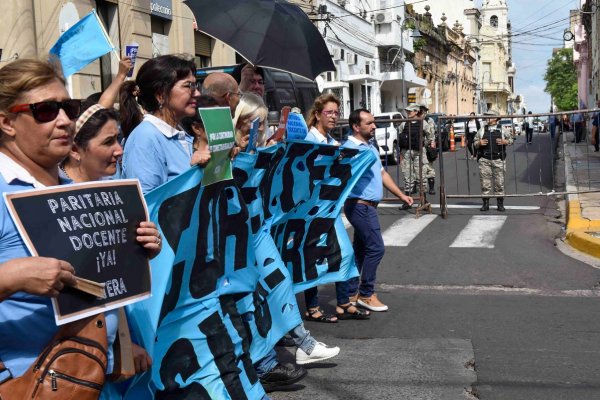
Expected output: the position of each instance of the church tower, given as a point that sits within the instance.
(497, 69)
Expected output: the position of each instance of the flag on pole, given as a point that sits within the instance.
(81, 44)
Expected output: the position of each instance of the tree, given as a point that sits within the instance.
(561, 80)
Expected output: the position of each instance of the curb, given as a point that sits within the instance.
(578, 227)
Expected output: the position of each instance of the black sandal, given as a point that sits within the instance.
(310, 316)
(357, 314)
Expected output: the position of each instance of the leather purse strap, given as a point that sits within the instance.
(4, 373)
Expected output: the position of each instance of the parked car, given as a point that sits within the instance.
(386, 135)
(281, 88)
(517, 127)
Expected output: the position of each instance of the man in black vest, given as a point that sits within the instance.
(490, 142)
(410, 136)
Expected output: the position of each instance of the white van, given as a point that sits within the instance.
(386, 135)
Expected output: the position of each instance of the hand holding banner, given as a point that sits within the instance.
(131, 51)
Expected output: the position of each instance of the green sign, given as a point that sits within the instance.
(221, 139)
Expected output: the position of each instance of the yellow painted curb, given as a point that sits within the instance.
(577, 228)
(584, 243)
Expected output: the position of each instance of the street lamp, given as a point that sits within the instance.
(415, 34)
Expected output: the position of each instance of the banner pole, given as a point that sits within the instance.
(114, 51)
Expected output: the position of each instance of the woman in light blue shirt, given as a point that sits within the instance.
(36, 134)
(158, 149)
(322, 119)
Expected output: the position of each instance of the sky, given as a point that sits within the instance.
(531, 53)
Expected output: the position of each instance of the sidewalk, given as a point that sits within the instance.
(582, 173)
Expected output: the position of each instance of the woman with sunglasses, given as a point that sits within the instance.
(322, 119)
(36, 134)
(158, 149)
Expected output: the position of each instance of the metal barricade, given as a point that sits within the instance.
(528, 172)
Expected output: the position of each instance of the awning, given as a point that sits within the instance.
(362, 78)
(410, 77)
(334, 85)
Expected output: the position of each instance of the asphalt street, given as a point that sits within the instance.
(507, 316)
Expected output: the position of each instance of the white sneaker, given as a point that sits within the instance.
(320, 352)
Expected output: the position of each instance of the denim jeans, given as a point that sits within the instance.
(303, 339)
(311, 296)
(368, 246)
(266, 364)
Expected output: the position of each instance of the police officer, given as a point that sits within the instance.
(409, 138)
(429, 139)
(490, 142)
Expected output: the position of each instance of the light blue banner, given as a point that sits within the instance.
(196, 338)
(275, 307)
(304, 189)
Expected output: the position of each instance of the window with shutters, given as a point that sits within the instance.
(202, 50)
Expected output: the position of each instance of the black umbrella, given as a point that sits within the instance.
(267, 33)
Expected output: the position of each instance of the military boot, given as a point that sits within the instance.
(501, 204)
(431, 184)
(486, 205)
(414, 187)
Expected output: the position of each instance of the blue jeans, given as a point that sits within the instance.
(303, 339)
(266, 364)
(368, 247)
(311, 296)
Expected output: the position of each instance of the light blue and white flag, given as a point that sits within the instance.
(81, 44)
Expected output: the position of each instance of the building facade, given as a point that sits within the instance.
(158, 26)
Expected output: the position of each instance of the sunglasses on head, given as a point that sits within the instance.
(46, 111)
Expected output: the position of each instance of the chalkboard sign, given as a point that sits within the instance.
(93, 227)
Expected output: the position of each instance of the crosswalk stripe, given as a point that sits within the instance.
(463, 206)
(403, 231)
(480, 232)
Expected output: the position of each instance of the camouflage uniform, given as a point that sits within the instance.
(410, 164)
(429, 137)
(491, 172)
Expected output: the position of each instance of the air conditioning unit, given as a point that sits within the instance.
(383, 18)
(337, 54)
(351, 58)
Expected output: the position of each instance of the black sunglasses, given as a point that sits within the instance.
(46, 111)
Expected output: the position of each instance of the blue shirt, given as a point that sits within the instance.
(26, 321)
(315, 136)
(155, 153)
(370, 185)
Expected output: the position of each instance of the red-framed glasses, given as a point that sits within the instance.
(46, 111)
